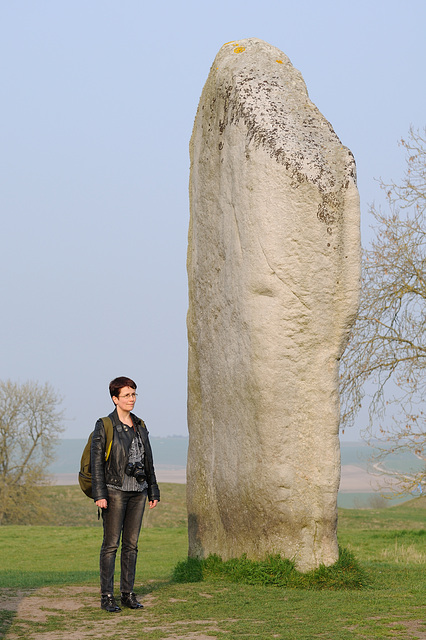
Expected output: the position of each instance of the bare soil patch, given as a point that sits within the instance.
(35, 606)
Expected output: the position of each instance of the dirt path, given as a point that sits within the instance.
(34, 608)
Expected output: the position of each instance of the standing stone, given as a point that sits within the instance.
(273, 267)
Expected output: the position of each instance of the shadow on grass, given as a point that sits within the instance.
(10, 579)
(6, 619)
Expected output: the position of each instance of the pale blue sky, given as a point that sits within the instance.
(97, 106)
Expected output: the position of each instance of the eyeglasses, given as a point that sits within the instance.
(129, 396)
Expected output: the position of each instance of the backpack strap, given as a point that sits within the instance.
(109, 430)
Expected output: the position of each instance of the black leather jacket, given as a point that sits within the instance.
(112, 471)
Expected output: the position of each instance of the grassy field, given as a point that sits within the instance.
(68, 506)
(49, 582)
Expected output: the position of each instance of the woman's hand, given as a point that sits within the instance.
(153, 503)
(102, 504)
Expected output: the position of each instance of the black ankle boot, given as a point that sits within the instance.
(129, 600)
(108, 603)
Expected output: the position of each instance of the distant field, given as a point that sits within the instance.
(355, 453)
(358, 488)
(171, 452)
(68, 506)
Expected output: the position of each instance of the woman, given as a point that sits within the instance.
(120, 487)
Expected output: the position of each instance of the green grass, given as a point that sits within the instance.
(275, 571)
(35, 556)
(55, 570)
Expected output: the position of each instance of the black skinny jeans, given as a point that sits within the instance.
(122, 517)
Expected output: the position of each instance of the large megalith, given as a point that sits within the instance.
(273, 268)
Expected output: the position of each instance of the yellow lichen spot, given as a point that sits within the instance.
(231, 42)
(239, 49)
(280, 61)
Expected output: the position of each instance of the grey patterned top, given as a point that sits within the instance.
(136, 454)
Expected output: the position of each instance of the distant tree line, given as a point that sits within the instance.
(30, 423)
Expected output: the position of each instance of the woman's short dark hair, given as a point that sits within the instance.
(118, 383)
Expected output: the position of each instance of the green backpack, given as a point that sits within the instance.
(85, 473)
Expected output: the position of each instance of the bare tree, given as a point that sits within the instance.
(30, 422)
(387, 351)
